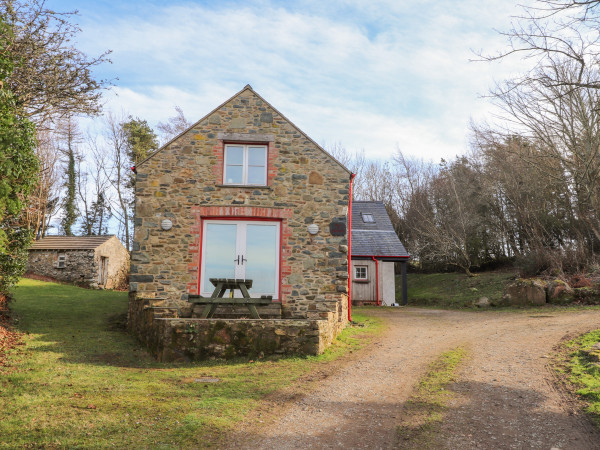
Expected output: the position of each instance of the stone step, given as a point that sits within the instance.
(272, 311)
(165, 313)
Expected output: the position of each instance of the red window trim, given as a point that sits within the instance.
(229, 142)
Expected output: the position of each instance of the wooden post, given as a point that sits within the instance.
(404, 285)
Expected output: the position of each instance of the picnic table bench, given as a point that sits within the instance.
(222, 285)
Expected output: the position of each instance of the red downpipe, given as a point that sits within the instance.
(377, 279)
(352, 175)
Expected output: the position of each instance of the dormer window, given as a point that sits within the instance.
(367, 218)
(245, 164)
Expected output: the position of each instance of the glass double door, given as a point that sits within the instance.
(241, 249)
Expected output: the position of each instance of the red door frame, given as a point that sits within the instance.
(240, 219)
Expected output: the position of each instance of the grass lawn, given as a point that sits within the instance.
(80, 380)
(580, 366)
(455, 290)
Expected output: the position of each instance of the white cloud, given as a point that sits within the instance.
(371, 74)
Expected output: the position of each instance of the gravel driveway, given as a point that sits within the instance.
(505, 395)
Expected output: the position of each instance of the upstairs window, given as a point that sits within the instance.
(368, 218)
(245, 164)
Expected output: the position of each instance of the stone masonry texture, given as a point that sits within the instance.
(82, 266)
(183, 182)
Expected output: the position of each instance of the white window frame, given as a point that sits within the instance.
(240, 269)
(356, 274)
(61, 261)
(245, 164)
(370, 217)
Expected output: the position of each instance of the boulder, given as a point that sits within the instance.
(559, 292)
(483, 302)
(525, 292)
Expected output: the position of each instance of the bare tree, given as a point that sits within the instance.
(374, 178)
(115, 167)
(51, 78)
(563, 122)
(93, 192)
(174, 125)
(43, 202)
(439, 209)
(551, 32)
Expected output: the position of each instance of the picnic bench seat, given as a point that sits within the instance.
(222, 285)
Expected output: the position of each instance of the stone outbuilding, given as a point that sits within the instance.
(375, 250)
(99, 262)
(242, 194)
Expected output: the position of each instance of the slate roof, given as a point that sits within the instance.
(70, 242)
(376, 238)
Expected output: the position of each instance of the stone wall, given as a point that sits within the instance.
(118, 262)
(80, 267)
(170, 337)
(183, 183)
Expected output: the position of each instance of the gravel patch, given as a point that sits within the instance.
(505, 395)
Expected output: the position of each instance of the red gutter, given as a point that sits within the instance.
(352, 175)
(377, 279)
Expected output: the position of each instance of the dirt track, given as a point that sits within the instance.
(505, 395)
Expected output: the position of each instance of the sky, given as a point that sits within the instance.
(372, 75)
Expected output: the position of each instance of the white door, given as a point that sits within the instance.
(244, 249)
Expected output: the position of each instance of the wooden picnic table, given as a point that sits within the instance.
(222, 285)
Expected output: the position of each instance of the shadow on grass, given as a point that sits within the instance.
(83, 326)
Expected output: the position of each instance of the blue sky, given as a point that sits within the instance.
(369, 74)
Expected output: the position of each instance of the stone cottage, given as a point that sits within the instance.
(100, 262)
(242, 194)
(376, 249)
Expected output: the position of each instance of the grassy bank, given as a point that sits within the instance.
(455, 290)
(579, 365)
(81, 380)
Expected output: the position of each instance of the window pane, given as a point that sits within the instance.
(256, 175)
(234, 155)
(219, 254)
(257, 156)
(234, 175)
(262, 255)
(360, 273)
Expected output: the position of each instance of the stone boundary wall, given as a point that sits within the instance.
(156, 323)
